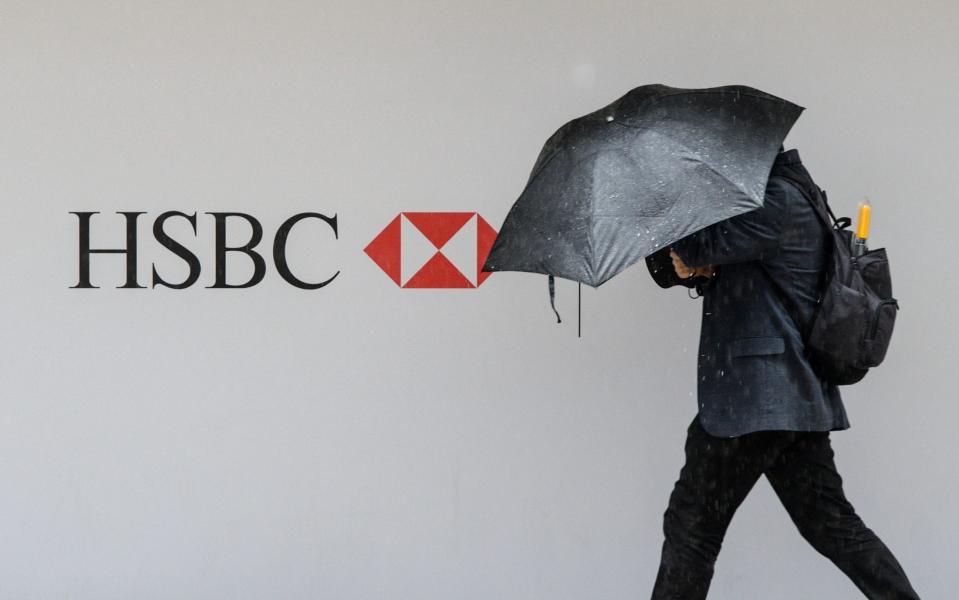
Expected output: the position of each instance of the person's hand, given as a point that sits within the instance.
(686, 272)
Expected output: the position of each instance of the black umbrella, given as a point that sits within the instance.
(656, 165)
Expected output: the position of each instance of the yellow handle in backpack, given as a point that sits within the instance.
(862, 230)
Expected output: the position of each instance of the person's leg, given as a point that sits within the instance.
(717, 476)
(806, 481)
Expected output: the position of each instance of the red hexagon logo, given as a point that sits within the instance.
(434, 249)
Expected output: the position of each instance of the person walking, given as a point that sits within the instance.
(762, 410)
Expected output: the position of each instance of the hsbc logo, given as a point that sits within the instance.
(434, 249)
(416, 249)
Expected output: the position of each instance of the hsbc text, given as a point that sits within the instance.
(221, 249)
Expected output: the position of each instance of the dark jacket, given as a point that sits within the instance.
(753, 374)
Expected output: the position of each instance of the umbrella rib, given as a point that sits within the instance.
(589, 239)
(692, 156)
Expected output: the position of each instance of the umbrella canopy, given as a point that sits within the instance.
(656, 165)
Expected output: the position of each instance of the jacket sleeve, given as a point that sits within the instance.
(753, 235)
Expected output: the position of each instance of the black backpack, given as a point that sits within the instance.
(852, 323)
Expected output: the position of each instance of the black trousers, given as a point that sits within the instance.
(720, 472)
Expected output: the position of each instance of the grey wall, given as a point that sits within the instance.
(364, 441)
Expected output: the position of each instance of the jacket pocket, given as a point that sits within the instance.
(757, 346)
